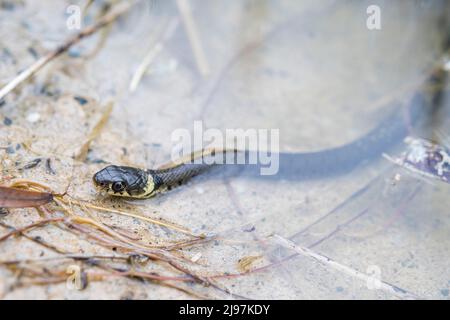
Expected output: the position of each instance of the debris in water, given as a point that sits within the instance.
(426, 158)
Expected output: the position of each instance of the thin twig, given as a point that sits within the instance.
(382, 285)
(152, 54)
(82, 154)
(185, 11)
(30, 226)
(115, 13)
(143, 218)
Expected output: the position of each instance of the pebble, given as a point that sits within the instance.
(82, 101)
(10, 150)
(33, 117)
(200, 190)
(7, 121)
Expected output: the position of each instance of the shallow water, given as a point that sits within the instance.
(312, 70)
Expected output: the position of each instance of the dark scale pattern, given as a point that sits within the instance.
(176, 175)
(134, 179)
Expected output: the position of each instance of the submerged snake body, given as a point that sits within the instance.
(141, 184)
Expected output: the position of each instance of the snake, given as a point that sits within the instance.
(137, 183)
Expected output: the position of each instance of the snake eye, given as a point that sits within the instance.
(118, 186)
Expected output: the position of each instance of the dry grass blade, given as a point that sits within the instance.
(106, 237)
(188, 20)
(105, 32)
(152, 54)
(82, 154)
(146, 219)
(116, 12)
(29, 227)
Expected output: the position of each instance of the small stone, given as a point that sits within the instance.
(82, 101)
(200, 190)
(10, 150)
(7, 121)
(33, 52)
(74, 52)
(33, 117)
(250, 229)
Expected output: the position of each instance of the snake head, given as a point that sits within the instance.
(121, 181)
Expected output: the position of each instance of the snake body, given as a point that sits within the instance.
(141, 184)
